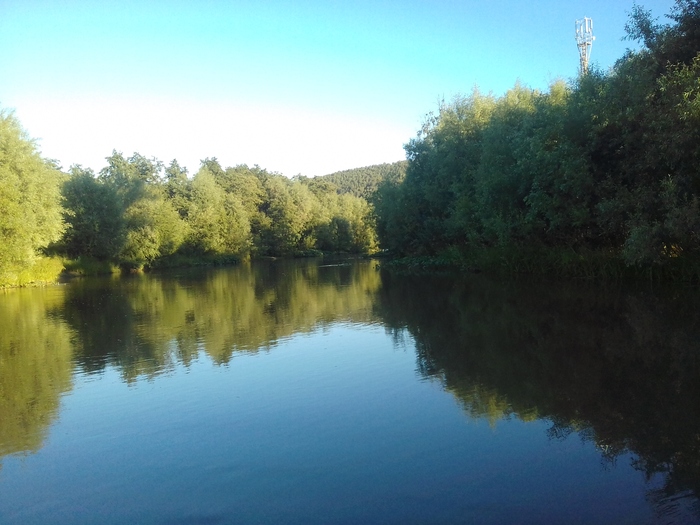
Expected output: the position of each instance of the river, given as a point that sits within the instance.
(335, 392)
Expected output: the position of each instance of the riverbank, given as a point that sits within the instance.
(585, 265)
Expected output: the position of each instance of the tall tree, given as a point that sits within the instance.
(153, 223)
(218, 220)
(30, 205)
(94, 216)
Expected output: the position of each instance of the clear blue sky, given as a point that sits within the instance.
(306, 87)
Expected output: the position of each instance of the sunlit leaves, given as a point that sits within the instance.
(30, 208)
(217, 219)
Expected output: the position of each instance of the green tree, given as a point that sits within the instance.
(154, 229)
(245, 184)
(606, 164)
(217, 219)
(363, 182)
(153, 223)
(561, 191)
(437, 206)
(177, 187)
(30, 204)
(500, 185)
(94, 217)
(291, 213)
(390, 220)
(345, 223)
(129, 176)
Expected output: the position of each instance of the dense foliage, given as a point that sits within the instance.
(606, 166)
(138, 212)
(363, 182)
(30, 209)
(596, 176)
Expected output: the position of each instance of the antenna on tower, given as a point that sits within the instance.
(584, 41)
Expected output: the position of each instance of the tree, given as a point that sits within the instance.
(363, 182)
(94, 216)
(218, 221)
(435, 206)
(129, 177)
(291, 214)
(153, 223)
(608, 163)
(561, 191)
(30, 202)
(154, 229)
(177, 187)
(500, 184)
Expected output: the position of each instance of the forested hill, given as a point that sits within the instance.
(363, 182)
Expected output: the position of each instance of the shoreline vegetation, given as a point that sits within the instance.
(598, 179)
(565, 265)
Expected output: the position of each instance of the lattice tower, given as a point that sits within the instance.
(584, 40)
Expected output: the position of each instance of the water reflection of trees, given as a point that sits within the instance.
(146, 324)
(620, 367)
(35, 366)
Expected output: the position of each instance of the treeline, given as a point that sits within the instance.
(364, 182)
(595, 177)
(602, 169)
(137, 212)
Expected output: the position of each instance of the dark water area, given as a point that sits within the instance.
(312, 392)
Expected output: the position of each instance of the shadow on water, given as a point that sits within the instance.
(620, 368)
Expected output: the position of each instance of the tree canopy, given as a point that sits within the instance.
(604, 164)
(363, 182)
(30, 204)
(603, 167)
(137, 212)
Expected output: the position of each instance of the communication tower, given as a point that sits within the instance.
(584, 40)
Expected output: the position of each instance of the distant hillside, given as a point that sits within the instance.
(363, 182)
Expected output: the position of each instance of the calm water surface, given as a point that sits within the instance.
(309, 392)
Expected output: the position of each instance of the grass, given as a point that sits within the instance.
(45, 270)
(89, 266)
